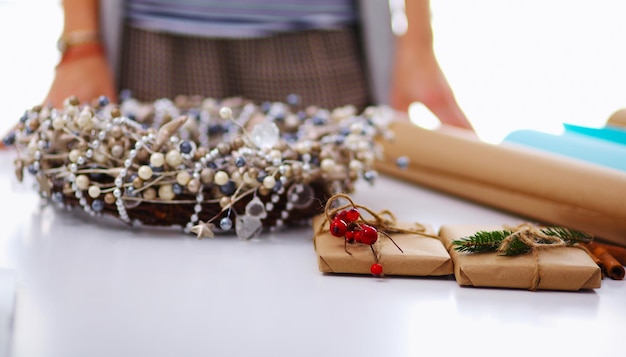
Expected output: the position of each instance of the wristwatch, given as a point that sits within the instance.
(77, 38)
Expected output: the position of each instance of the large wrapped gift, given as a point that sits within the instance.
(421, 255)
(548, 188)
(558, 268)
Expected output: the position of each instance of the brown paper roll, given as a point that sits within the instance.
(545, 187)
(618, 118)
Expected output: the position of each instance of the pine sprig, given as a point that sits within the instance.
(490, 241)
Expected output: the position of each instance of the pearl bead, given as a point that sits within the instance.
(149, 193)
(58, 123)
(327, 165)
(117, 151)
(84, 119)
(166, 192)
(94, 191)
(356, 165)
(109, 198)
(183, 177)
(206, 175)
(269, 182)
(226, 113)
(145, 172)
(74, 155)
(157, 159)
(221, 178)
(173, 158)
(82, 182)
(226, 223)
(137, 182)
(193, 186)
(224, 201)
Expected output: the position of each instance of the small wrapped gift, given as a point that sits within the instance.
(415, 254)
(560, 267)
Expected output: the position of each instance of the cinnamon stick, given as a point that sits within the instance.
(612, 267)
(617, 252)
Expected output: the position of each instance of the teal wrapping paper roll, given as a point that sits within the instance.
(609, 133)
(590, 148)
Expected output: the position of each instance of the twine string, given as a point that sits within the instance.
(384, 220)
(536, 240)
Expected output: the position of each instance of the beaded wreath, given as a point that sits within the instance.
(203, 164)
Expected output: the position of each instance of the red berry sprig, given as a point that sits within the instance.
(345, 225)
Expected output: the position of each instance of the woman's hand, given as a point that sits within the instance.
(418, 78)
(86, 78)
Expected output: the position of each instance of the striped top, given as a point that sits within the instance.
(239, 18)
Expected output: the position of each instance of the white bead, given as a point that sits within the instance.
(226, 113)
(82, 182)
(94, 191)
(117, 151)
(157, 159)
(269, 182)
(327, 165)
(74, 155)
(58, 123)
(145, 172)
(166, 192)
(220, 178)
(173, 158)
(149, 193)
(356, 165)
(84, 119)
(183, 177)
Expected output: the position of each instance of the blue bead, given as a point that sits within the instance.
(293, 99)
(402, 162)
(125, 94)
(32, 170)
(177, 188)
(24, 117)
(226, 223)
(370, 176)
(57, 197)
(317, 120)
(97, 205)
(261, 176)
(185, 147)
(103, 101)
(228, 188)
(9, 139)
(240, 161)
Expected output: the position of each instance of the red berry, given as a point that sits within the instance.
(358, 236)
(341, 215)
(350, 236)
(352, 214)
(376, 269)
(338, 227)
(369, 234)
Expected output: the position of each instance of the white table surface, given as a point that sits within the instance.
(86, 287)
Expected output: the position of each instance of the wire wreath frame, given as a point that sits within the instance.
(207, 165)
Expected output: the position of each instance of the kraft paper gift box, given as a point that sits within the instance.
(558, 268)
(421, 256)
(545, 187)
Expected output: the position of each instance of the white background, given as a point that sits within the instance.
(531, 64)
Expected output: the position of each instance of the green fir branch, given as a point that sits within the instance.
(489, 241)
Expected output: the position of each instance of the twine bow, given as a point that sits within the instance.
(535, 239)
